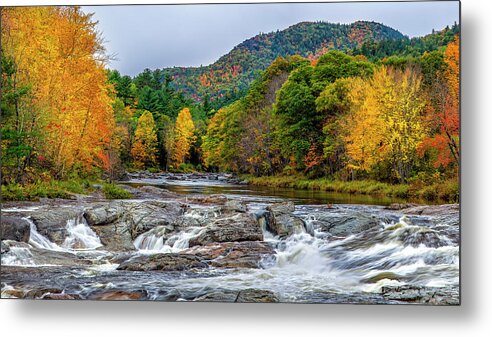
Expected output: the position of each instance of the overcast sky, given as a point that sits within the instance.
(192, 35)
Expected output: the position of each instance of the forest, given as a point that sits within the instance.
(361, 108)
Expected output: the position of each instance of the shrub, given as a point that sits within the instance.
(113, 191)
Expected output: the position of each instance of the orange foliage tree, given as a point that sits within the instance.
(443, 145)
(58, 53)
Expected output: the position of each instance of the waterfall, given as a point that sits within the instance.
(80, 235)
(39, 241)
(18, 256)
(152, 240)
(156, 240)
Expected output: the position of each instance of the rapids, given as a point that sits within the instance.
(313, 265)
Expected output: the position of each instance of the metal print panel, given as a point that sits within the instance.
(300, 152)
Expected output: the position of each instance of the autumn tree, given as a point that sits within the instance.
(144, 147)
(184, 137)
(385, 126)
(57, 53)
(443, 144)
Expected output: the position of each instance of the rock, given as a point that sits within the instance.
(247, 254)
(213, 199)
(104, 214)
(282, 208)
(16, 229)
(60, 296)
(434, 210)
(235, 206)
(240, 227)
(51, 222)
(163, 262)
(256, 296)
(345, 224)
(280, 221)
(18, 253)
(427, 237)
(218, 296)
(381, 276)
(119, 223)
(152, 191)
(397, 206)
(424, 295)
(118, 295)
(145, 216)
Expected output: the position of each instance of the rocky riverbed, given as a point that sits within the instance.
(228, 247)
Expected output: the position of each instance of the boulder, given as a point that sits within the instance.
(240, 227)
(247, 254)
(163, 262)
(119, 223)
(145, 216)
(16, 229)
(51, 222)
(256, 296)
(104, 214)
(280, 221)
(345, 224)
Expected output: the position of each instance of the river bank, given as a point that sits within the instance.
(438, 192)
(243, 247)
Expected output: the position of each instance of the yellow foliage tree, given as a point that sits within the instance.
(58, 53)
(144, 147)
(385, 124)
(184, 136)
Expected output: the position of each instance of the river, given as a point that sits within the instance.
(216, 240)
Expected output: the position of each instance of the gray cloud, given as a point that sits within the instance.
(158, 36)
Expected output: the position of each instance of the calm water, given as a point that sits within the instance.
(266, 194)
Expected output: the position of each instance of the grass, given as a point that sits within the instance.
(447, 190)
(64, 189)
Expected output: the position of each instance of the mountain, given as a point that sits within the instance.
(230, 76)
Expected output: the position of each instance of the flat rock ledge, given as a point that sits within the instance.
(163, 262)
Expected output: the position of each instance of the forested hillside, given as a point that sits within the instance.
(229, 77)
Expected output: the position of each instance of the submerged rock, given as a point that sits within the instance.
(163, 262)
(16, 229)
